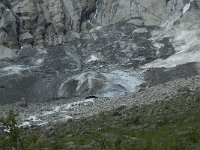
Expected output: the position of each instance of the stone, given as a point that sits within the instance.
(70, 145)
(137, 22)
(26, 38)
(183, 133)
(111, 138)
(6, 53)
(140, 30)
(8, 26)
(70, 135)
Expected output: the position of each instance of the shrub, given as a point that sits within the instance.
(10, 130)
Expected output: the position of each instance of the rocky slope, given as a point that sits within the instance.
(171, 124)
(55, 50)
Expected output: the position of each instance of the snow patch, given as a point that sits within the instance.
(15, 69)
(185, 43)
(57, 109)
(63, 108)
(62, 111)
(22, 47)
(158, 45)
(39, 61)
(7, 130)
(43, 123)
(175, 60)
(96, 28)
(25, 124)
(55, 113)
(187, 7)
(92, 58)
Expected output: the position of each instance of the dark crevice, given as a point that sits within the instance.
(91, 96)
(18, 30)
(167, 1)
(2, 87)
(6, 3)
(85, 15)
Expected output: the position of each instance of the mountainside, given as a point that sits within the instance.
(39, 23)
(63, 51)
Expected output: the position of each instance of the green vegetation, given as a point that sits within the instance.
(167, 125)
(11, 131)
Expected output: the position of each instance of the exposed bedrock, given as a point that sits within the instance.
(38, 23)
(42, 22)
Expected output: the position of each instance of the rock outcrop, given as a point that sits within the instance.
(46, 22)
(40, 23)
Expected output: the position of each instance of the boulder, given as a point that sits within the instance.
(6, 53)
(26, 38)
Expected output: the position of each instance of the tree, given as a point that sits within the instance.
(12, 132)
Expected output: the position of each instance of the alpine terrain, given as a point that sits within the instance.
(99, 74)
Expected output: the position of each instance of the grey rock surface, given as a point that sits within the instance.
(50, 21)
(102, 62)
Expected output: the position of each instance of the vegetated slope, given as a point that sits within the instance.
(171, 124)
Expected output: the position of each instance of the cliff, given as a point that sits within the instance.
(40, 23)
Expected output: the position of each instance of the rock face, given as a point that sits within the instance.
(38, 23)
(8, 28)
(55, 49)
(45, 22)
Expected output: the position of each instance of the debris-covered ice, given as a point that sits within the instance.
(14, 69)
